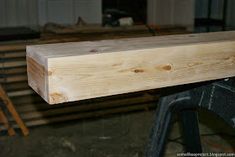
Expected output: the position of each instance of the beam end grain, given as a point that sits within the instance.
(76, 71)
(37, 77)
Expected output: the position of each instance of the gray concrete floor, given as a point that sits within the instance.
(115, 136)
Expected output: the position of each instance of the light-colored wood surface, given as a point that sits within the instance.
(76, 71)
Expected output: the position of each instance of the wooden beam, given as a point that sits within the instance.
(76, 71)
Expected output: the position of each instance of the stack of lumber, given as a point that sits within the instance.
(35, 111)
(94, 32)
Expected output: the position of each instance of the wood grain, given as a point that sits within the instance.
(38, 77)
(76, 71)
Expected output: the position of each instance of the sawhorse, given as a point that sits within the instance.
(217, 97)
(7, 105)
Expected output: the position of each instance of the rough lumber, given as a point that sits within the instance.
(14, 86)
(12, 64)
(86, 108)
(13, 78)
(95, 29)
(76, 71)
(12, 55)
(90, 114)
(20, 93)
(12, 71)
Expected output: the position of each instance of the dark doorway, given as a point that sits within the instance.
(136, 9)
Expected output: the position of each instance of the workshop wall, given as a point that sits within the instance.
(68, 11)
(39, 12)
(171, 12)
(160, 12)
(217, 10)
(18, 13)
(183, 12)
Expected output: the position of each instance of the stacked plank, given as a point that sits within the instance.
(35, 111)
(91, 32)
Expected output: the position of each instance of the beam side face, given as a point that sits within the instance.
(81, 77)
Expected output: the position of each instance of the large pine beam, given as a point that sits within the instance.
(82, 70)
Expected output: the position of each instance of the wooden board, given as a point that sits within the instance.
(34, 111)
(93, 29)
(76, 71)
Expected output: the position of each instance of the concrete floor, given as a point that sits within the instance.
(115, 136)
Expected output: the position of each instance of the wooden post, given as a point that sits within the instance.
(3, 119)
(12, 110)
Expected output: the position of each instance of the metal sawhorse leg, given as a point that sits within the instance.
(217, 97)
